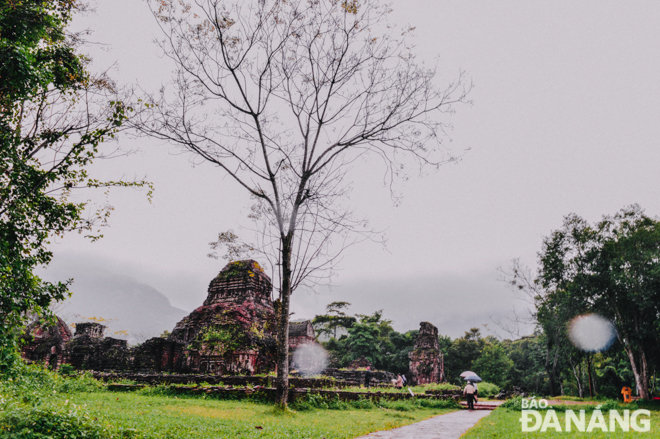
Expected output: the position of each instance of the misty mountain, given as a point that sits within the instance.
(118, 301)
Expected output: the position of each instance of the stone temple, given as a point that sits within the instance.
(233, 332)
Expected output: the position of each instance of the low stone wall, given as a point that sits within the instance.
(356, 377)
(185, 379)
(458, 392)
(232, 380)
(270, 393)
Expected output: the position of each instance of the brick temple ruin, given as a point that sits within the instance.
(426, 360)
(233, 332)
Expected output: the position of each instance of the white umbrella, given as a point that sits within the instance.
(466, 373)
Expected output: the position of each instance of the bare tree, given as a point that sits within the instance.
(284, 96)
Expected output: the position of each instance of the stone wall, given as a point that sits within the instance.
(89, 349)
(382, 378)
(300, 333)
(426, 360)
(356, 377)
(270, 393)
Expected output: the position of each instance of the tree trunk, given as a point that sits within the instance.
(551, 371)
(640, 370)
(577, 380)
(644, 378)
(641, 376)
(283, 324)
(591, 384)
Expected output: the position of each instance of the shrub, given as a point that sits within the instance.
(514, 403)
(50, 421)
(488, 390)
(66, 370)
(30, 406)
(400, 406)
(84, 382)
(28, 383)
(439, 403)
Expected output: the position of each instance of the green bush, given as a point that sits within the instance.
(50, 421)
(439, 403)
(28, 383)
(66, 370)
(400, 406)
(161, 390)
(362, 403)
(488, 390)
(514, 403)
(314, 401)
(33, 405)
(436, 386)
(84, 382)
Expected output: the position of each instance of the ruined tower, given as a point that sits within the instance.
(46, 343)
(233, 331)
(426, 359)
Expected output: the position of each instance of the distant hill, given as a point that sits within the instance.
(123, 302)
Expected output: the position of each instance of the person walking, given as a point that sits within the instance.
(469, 394)
(399, 382)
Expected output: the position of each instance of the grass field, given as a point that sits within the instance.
(36, 403)
(170, 417)
(505, 424)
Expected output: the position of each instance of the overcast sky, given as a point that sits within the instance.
(565, 119)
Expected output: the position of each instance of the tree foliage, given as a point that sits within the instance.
(336, 318)
(462, 353)
(371, 337)
(494, 364)
(54, 115)
(610, 268)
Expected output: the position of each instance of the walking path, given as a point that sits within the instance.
(449, 426)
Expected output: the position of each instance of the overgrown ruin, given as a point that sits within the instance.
(48, 343)
(233, 332)
(426, 359)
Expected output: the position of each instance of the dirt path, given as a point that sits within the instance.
(449, 426)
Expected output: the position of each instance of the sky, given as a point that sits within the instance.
(564, 119)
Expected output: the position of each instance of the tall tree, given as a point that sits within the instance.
(611, 268)
(494, 364)
(53, 117)
(335, 318)
(283, 97)
(462, 353)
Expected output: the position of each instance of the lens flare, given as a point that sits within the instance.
(310, 359)
(591, 332)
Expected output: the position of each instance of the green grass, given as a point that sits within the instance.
(36, 403)
(505, 424)
(196, 417)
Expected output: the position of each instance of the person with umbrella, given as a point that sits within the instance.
(474, 378)
(470, 390)
(469, 394)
